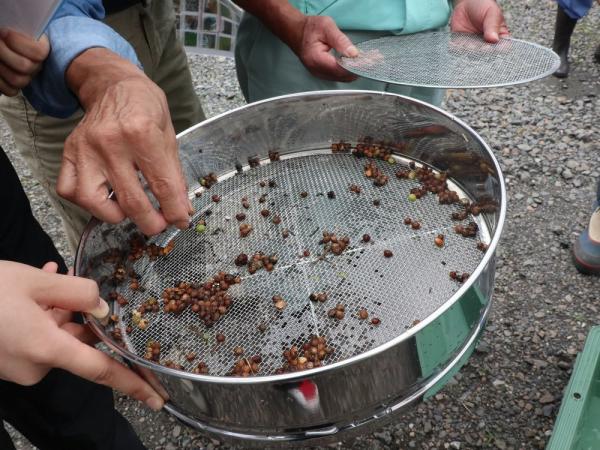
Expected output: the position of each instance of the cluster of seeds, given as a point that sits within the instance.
(257, 261)
(246, 367)
(138, 248)
(209, 300)
(469, 230)
(338, 312)
(209, 180)
(331, 243)
(460, 277)
(372, 171)
(138, 319)
(414, 224)
(318, 297)
(311, 355)
(152, 351)
(341, 147)
(367, 147)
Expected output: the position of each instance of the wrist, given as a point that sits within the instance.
(94, 71)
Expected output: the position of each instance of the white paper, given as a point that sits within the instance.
(27, 16)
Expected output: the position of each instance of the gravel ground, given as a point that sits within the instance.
(508, 395)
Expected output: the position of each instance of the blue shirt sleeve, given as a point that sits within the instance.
(74, 28)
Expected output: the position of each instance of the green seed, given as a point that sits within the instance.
(203, 182)
(200, 228)
(206, 337)
(412, 175)
(412, 197)
(391, 160)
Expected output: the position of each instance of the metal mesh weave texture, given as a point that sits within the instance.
(451, 60)
(409, 286)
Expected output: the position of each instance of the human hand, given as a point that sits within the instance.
(126, 128)
(480, 17)
(36, 336)
(317, 36)
(21, 57)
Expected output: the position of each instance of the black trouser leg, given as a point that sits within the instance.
(63, 411)
(562, 40)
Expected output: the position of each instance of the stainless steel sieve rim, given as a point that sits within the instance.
(539, 76)
(295, 376)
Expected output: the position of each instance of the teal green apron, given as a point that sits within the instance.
(266, 67)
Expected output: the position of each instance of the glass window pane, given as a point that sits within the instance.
(225, 43)
(208, 41)
(209, 23)
(192, 5)
(191, 22)
(190, 39)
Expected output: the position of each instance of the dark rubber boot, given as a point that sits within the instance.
(562, 40)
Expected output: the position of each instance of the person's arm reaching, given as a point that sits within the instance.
(127, 125)
(36, 334)
(480, 17)
(310, 37)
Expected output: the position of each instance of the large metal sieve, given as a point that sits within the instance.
(428, 322)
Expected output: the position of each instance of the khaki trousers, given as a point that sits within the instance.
(40, 138)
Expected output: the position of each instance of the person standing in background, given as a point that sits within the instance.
(284, 47)
(568, 13)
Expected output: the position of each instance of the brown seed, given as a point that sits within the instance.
(220, 337)
(262, 327)
(439, 241)
(375, 321)
(245, 204)
(241, 260)
(415, 225)
(339, 315)
(240, 216)
(285, 233)
(280, 304)
(262, 184)
(322, 297)
(313, 297)
(272, 183)
(331, 312)
(265, 213)
(363, 314)
(303, 194)
(216, 198)
(276, 220)
(376, 202)
(238, 351)
(366, 238)
(306, 253)
(453, 275)
(262, 198)
(190, 356)
(388, 253)
(407, 221)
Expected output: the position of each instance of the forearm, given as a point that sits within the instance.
(284, 21)
(92, 72)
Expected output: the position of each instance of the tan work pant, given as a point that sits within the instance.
(40, 138)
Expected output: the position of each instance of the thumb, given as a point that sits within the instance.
(492, 22)
(339, 41)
